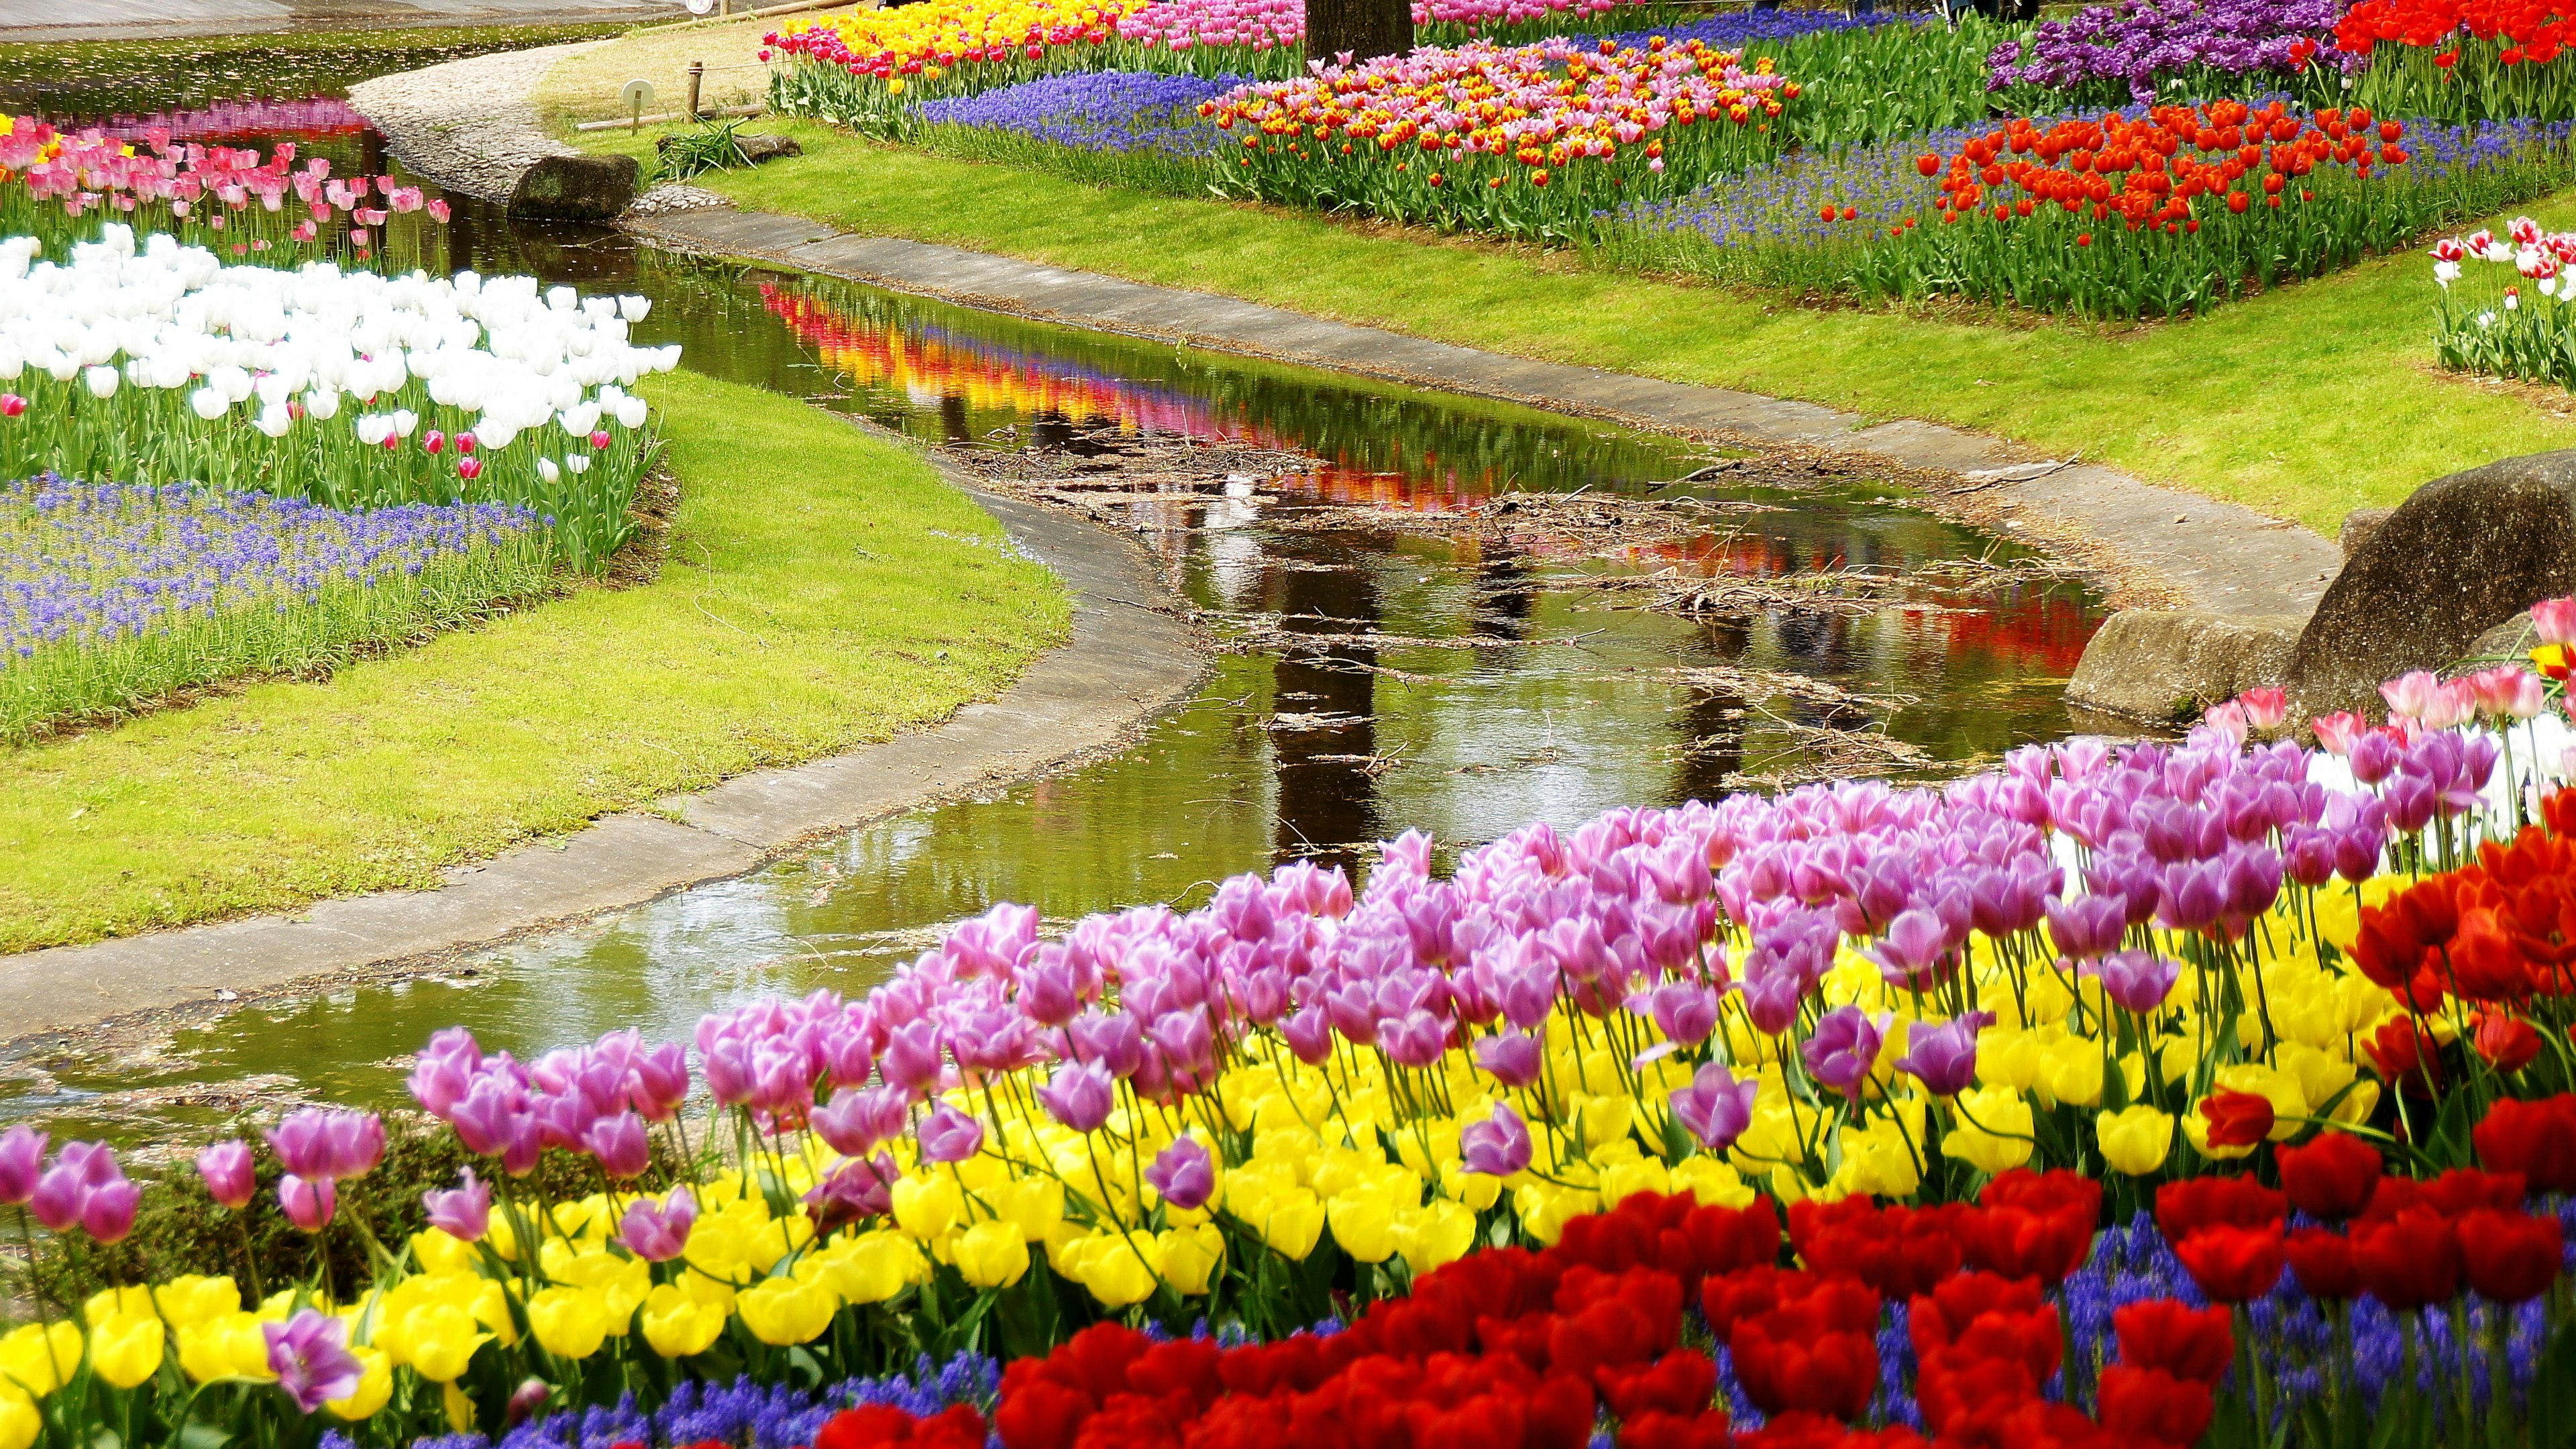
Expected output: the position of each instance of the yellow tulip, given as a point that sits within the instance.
(1981, 1143)
(1625, 1180)
(928, 1206)
(569, 1322)
(1033, 1205)
(1293, 1224)
(439, 1251)
(620, 1282)
(992, 1254)
(1436, 1234)
(1190, 1257)
(2195, 1127)
(194, 1298)
(678, 1326)
(1363, 1222)
(2136, 1140)
(2280, 1088)
(1114, 1270)
(874, 1267)
(1712, 1182)
(460, 1409)
(19, 1421)
(39, 1359)
(2070, 1071)
(230, 1345)
(1606, 1119)
(375, 1386)
(439, 1341)
(130, 1302)
(125, 1349)
(781, 1311)
(1881, 1162)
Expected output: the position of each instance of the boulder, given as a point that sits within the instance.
(2512, 639)
(2170, 664)
(577, 188)
(2464, 554)
(2358, 526)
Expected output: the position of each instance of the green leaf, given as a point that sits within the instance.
(2553, 1394)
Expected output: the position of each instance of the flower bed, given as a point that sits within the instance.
(2508, 306)
(1525, 142)
(2144, 51)
(113, 597)
(237, 378)
(221, 198)
(2169, 975)
(2460, 61)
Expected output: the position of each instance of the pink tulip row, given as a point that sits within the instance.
(318, 116)
(1278, 24)
(47, 174)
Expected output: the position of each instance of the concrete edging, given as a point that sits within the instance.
(1131, 658)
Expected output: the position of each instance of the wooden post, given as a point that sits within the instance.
(697, 73)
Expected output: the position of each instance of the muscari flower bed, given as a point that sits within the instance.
(114, 596)
(2169, 1093)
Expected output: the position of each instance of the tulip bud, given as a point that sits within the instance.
(599, 439)
(469, 469)
(12, 405)
(226, 1168)
(434, 441)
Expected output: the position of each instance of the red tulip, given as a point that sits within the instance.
(2233, 1264)
(2331, 1177)
(469, 469)
(599, 439)
(11, 405)
(2149, 1405)
(464, 442)
(2511, 1257)
(2409, 1260)
(2536, 1139)
(2237, 1119)
(2184, 1208)
(2161, 1334)
(2324, 1264)
(2506, 1041)
(434, 441)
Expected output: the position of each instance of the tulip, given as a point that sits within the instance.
(12, 405)
(2234, 1264)
(1497, 1146)
(1843, 1048)
(2511, 1257)
(22, 1162)
(1184, 1173)
(2332, 1177)
(308, 1202)
(2324, 1264)
(948, 1135)
(464, 1213)
(126, 1349)
(677, 1326)
(657, 1233)
(310, 1355)
(992, 1255)
(1080, 1095)
(1716, 1108)
(1944, 1058)
(2135, 1140)
(226, 1170)
(620, 1144)
(569, 1322)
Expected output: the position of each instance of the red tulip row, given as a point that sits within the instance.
(1513, 1349)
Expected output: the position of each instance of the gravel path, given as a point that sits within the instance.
(467, 124)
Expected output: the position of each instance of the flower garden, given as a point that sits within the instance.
(235, 469)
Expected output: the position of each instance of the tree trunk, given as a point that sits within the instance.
(1364, 28)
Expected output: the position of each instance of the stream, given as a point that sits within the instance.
(1520, 680)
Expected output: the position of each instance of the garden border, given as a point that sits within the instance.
(1132, 657)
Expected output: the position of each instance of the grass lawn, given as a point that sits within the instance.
(823, 590)
(2305, 403)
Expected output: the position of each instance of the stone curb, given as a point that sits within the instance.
(1131, 658)
(2226, 558)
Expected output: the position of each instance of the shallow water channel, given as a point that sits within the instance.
(1528, 691)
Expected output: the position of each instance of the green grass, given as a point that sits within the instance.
(809, 603)
(2307, 402)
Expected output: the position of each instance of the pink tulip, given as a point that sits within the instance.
(12, 405)
(599, 439)
(309, 1202)
(469, 469)
(226, 1170)
(434, 441)
(2554, 620)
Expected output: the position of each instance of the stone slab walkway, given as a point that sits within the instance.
(1130, 659)
(2225, 558)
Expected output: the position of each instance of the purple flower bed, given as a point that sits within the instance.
(92, 562)
(1737, 29)
(2137, 44)
(1112, 110)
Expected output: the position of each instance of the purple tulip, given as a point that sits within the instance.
(2089, 926)
(658, 1232)
(22, 1164)
(1771, 1000)
(1114, 1039)
(658, 1081)
(1415, 1039)
(465, 1212)
(303, 1143)
(1685, 1011)
(855, 1191)
(1309, 1034)
(1183, 1173)
(226, 1170)
(912, 1058)
(1916, 952)
(310, 1355)
(1844, 1047)
(2138, 981)
(1498, 1146)
(620, 1143)
(1080, 1096)
(1512, 1057)
(1716, 1108)
(62, 1193)
(1944, 1058)
(948, 1135)
(2373, 756)
(309, 1201)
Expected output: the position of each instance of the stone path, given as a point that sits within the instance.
(467, 124)
(1129, 661)
(2223, 557)
(55, 20)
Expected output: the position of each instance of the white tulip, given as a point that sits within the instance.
(547, 470)
(405, 422)
(209, 404)
(273, 421)
(577, 462)
(633, 309)
(102, 381)
(323, 403)
(631, 412)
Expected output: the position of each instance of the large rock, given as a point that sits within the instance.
(2169, 664)
(2358, 526)
(577, 188)
(2464, 554)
